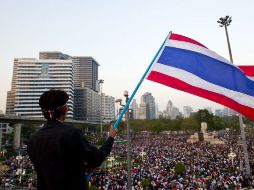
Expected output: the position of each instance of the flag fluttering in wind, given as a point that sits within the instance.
(189, 66)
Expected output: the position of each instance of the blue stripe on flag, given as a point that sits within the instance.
(207, 68)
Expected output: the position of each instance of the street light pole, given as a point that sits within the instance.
(225, 22)
(229, 48)
(127, 115)
(101, 82)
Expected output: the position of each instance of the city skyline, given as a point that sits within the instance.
(122, 37)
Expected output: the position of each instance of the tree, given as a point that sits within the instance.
(180, 168)
(204, 116)
(232, 122)
(145, 183)
(218, 123)
(190, 124)
(157, 127)
(101, 140)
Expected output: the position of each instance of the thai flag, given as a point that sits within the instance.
(188, 65)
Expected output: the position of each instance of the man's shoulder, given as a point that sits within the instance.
(70, 129)
(56, 128)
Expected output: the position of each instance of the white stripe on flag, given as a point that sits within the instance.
(195, 48)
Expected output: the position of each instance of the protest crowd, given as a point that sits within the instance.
(206, 166)
(20, 173)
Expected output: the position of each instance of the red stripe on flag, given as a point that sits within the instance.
(183, 86)
(248, 70)
(185, 39)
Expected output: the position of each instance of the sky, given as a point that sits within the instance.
(123, 36)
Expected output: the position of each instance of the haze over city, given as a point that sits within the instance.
(122, 36)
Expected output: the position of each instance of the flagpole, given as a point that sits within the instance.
(138, 85)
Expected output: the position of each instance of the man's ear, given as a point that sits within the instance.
(63, 109)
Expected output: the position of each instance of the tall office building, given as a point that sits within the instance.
(156, 110)
(134, 107)
(171, 111)
(108, 108)
(85, 72)
(168, 111)
(174, 113)
(87, 105)
(141, 112)
(218, 112)
(228, 112)
(87, 101)
(187, 110)
(149, 101)
(10, 102)
(53, 55)
(31, 77)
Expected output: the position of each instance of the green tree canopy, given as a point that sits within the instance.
(180, 168)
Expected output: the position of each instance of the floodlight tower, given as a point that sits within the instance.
(225, 22)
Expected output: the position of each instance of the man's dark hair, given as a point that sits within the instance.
(51, 102)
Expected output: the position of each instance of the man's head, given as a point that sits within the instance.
(53, 104)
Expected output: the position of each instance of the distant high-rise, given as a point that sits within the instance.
(85, 72)
(53, 55)
(174, 113)
(228, 112)
(134, 107)
(149, 101)
(31, 77)
(108, 108)
(141, 112)
(187, 110)
(10, 102)
(218, 112)
(86, 105)
(168, 111)
(171, 111)
(156, 110)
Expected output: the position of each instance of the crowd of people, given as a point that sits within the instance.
(19, 172)
(154, 158)
(207, 166)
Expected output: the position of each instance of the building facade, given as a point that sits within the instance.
(87, 105)
(85, 72)
(33, 77)
(228, 112)
(218, 112)
(10, 102)
(141, 112)
(149, 101)
(187, 110)
(107, 108)
(134, 107)
(53, 55)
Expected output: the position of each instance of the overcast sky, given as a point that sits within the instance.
(123, 36)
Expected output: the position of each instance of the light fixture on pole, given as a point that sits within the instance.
(225, 22)
(101, 82)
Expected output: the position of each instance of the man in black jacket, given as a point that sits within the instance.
(60, 153)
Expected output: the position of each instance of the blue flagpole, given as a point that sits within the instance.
(137, 87)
